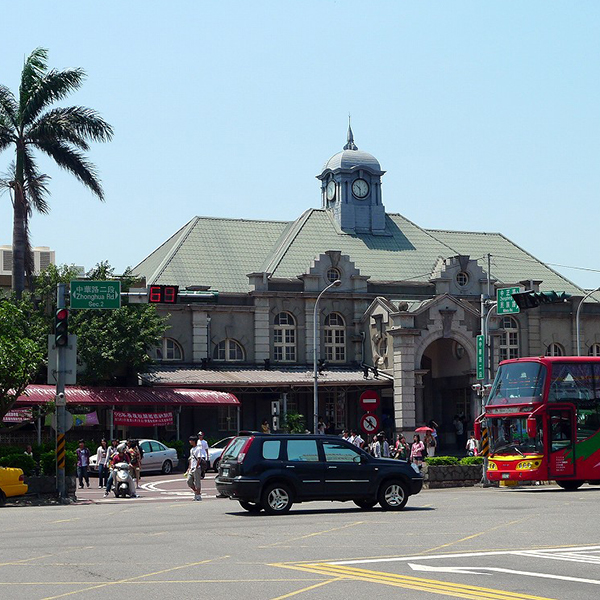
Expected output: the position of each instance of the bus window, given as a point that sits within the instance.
(573, 382)
(518, 383)
(561, 431)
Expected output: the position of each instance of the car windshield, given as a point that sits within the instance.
(234, 448)
(508, 435)
(221, 443)
(518, 383)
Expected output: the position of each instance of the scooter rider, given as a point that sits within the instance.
(121, 456)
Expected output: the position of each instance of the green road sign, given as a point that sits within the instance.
(506, 304)
(95, 294)
(480, 357)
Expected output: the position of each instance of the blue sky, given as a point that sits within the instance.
(485, 116)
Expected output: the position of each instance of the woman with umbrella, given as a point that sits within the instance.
(429, 441)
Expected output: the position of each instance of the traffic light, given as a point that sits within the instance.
(530, 299)
(61, 327)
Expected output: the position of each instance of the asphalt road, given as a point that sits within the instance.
(506, 544)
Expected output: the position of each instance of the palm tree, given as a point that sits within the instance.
(29, 124)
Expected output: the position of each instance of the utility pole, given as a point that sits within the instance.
(61, 403)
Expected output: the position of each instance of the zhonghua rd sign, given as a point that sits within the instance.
(95, 294)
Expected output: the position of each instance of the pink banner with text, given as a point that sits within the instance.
(142, 419)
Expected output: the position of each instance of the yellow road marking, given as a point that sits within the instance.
(309, 535)
(455, 590)
(130, 579)
(307, 589)
(470, 537)
(25, 560)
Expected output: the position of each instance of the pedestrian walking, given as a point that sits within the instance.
(385, 447)
(417, 450)
(430, 443)
(194, 472)
(83, 463)
(356, 439)
(203, 453)
(135, 457)
(472, 447)
(101, 456)
(402, 449)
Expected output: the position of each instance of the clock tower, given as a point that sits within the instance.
(351, 190)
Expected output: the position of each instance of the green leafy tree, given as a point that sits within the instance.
(27, 123)
(20, 354)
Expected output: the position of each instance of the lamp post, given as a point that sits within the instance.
(577, 317)
(315, 357)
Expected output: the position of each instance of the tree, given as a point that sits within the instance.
(28, 123)
(20, 354)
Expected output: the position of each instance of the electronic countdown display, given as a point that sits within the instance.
(163, 294)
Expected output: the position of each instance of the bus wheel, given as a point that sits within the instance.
(570, 486)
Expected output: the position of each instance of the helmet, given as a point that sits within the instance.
(122, 447)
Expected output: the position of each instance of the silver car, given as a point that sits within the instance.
(157, 457)
(215, 452)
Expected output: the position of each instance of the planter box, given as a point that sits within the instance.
(451, 475)
(46, 484)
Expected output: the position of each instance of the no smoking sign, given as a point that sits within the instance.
(369, 423)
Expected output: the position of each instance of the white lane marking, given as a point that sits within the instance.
(481, 571)
(152, 486)
(546, 553)
(569, 556)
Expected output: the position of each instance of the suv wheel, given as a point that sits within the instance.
(277, 499)
(167, 467)
(365, 504)
(392, 495)
(250, 506)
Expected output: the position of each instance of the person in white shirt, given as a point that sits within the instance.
(356, 439)
(194, 472)
(203, 444)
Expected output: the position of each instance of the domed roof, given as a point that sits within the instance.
(348, 159)
(351, 157)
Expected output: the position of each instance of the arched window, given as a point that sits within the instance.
(333, 274)
(169, 349)
(594, 350)
(509, 340)
(284, 338)
(335, 338)
(555, 349)
(229, 351)
(462, 278)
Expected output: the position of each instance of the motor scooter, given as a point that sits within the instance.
(122, 480)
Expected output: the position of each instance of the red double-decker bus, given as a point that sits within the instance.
(543, 419)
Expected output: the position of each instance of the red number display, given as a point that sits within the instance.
(163, 294)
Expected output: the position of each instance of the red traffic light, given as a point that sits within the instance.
(62, 314)
(61, 327)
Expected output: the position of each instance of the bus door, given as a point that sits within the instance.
(562, 435)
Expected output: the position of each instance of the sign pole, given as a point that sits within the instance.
(60, 404)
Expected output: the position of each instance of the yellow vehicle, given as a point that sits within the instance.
(12, 483)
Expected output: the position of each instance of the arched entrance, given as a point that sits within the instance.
(446, 392)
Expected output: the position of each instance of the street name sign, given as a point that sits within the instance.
(506, 303)
(95, 294)
(480, 357)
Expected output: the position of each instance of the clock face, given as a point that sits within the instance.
(330, 190)
(360, 188)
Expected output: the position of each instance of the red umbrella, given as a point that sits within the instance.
(424, 429)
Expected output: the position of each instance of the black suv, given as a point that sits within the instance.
(271, 472)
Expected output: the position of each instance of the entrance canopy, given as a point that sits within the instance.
(109, 396)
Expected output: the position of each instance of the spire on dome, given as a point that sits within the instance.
(350, 145)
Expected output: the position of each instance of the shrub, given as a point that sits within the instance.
(294, 422)
(10, 450)
(438, 461)
(48, 463)
(472, 460)
(19, 461)
(178, 445)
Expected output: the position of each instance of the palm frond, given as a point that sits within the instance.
(73, 161)
(74, 124)
(8, 107)
(51, 87)
(36, 64)
(36, 186)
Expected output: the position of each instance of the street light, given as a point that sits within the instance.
(577, 317)
(315, 358)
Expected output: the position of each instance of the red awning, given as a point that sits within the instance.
(94, 396)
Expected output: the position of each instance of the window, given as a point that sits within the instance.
(338, 452)
(509, 340)
(168, 350)
(145, 447)
(227, 418)
(157, 447)
(333, 274)
(462, 278)
(270, 449)
(302, 451)
(284, 338)
(555, 349)
(229, 351)
(594, 350)
(335, 338)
